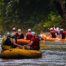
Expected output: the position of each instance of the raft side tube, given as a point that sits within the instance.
(20, 53)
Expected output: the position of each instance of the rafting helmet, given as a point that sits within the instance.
(8, 34)
(13, 28)
(19, 30)
(51, 28)
(29, 30)
(61, 29)
(33, 33)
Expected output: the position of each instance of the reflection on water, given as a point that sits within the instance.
(49, 58)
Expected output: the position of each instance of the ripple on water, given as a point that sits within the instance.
(49, 58)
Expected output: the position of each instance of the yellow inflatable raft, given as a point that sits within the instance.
(20, 53)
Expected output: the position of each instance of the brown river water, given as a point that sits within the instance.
(49, 58)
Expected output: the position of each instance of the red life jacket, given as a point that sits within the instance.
(36, 41)
(64, 32)
(19, 33)
(28, 35)
(53, 31)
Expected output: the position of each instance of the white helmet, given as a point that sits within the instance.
(51, 28)
(8, 33)
(13, 28)
(19, 30)
(61, 29)
(29, 29)
(33, 33)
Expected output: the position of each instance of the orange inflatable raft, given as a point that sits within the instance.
(48, 38)
(23, 41)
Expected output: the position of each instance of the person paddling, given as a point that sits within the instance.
(63, 34)
(28, 35)
(35, 42)
(53, 33)
(7, 41)
(13, 33)
(19, 35)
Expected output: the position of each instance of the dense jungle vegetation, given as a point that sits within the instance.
(36, 14)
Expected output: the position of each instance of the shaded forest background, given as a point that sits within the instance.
(36, 14)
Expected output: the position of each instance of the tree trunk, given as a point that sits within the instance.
(63, 5)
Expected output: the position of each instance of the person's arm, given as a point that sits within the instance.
(16, 44)
(25, 36)
(30, 43)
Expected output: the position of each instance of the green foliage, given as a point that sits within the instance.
(38, 27)
(47, 24)
(28, 14)
(53, 19)
(1, 16)
(1, 25)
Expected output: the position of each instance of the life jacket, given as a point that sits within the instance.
(53, 33)
(19, 35)
(8, 42)
(28, 35)
(36, 43)
(63, 34)
(13, 35)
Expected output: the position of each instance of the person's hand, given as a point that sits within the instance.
(30, 43)
(19, 46)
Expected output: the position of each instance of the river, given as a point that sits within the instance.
(49, 58)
